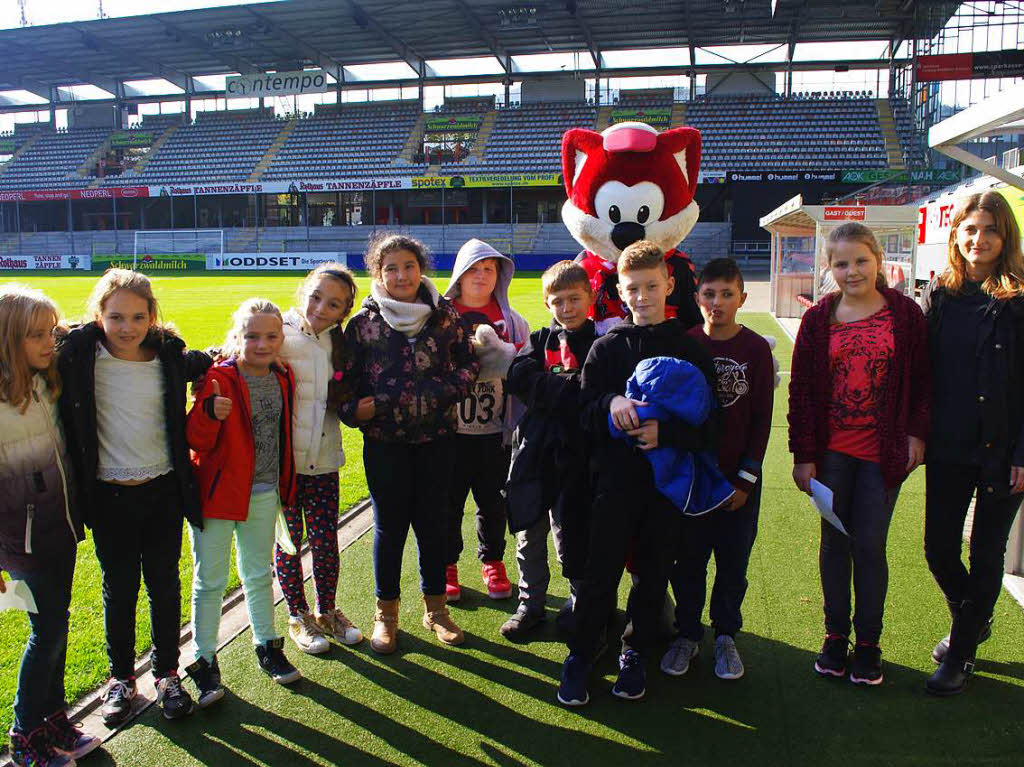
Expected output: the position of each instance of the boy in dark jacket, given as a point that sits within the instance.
(628, 512)
(745, 387)
(547, 487)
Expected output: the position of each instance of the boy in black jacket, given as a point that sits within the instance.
(629, 515)
(550, 465)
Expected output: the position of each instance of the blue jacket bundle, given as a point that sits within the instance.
(675, 389)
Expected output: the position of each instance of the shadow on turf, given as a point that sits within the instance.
(780, 713)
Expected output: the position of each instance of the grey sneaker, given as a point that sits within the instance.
(727, 658)
(676, 660)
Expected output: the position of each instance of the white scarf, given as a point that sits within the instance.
(405, 317)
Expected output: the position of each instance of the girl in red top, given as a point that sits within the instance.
(858, 416)
(240, 432)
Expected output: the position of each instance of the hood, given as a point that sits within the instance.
(477, 250)
(295, 319)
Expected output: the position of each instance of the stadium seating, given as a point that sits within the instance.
(357, 142)
(911, 143)
(53, 160)
(771, 133)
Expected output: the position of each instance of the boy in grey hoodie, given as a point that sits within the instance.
(479, 291)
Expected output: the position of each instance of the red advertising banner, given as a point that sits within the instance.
(967, 66)
(50, 195)
(844, 213)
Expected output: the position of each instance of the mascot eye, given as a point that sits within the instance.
(614, 214)
(643, 214)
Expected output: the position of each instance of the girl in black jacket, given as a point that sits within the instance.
(39, 527)
(123, 407)
(975, 315)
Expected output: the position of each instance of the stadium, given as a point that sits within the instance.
(226, 151)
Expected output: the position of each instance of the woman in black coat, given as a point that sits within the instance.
(975, 315)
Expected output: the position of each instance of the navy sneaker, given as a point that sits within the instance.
(632, 681)
(831, 661)
(867, 664)
(573, 689)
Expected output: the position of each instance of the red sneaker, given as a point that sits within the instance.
(495, 579)
(452, 589)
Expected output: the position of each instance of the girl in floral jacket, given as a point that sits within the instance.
(410, 362)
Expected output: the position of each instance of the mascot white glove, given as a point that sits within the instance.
(494, 354)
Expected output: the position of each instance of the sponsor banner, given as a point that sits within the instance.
(45, 262)
(7, 146)
(923, 176)
(272, 261)
(131, 138)
(278, 84)
(711, 177)
(453, 123)
(48, 195)
(347, 185)
(656, 117)
(969, 66)
(494, 179)
(844, 213)
(783, 176)
(151, 262)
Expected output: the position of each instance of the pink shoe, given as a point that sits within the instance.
(496, 580)
(452, 589)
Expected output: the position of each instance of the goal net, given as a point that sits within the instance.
(177, 244)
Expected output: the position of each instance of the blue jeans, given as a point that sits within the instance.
(408, 485)
(41, 676)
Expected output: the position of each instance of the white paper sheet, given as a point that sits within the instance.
(18, 597)
(821, 499)
(284, 538)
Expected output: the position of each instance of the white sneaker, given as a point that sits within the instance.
(333, 623)
(307, 635)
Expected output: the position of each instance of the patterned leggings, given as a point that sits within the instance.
(316, 500)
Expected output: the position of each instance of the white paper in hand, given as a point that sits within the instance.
(821, 498)
(18, 597)
(284, 538)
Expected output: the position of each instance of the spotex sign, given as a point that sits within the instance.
(278, 84)
(495, 179)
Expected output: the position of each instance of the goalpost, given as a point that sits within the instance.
(181, 243)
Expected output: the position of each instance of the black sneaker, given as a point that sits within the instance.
(206, 677)
(867, 664)
(172, 697)
(67, 739)
(521, 621)
(573, 689)
(118, 701)
(273, 662)
(939, 653)
(632, 681)
(831, 661)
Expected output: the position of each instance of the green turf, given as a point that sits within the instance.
(492, 702)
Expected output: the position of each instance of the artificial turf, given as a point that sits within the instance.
(493, 702)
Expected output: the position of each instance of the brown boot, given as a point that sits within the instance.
(385, 627)
(437, 619)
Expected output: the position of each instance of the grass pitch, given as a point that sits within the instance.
(493, 703)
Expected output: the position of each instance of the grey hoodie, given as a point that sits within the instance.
(485, 392)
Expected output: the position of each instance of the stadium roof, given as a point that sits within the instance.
(333, 34)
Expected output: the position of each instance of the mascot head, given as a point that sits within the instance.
(630, 183)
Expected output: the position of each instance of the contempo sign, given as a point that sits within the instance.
(278, 84)
(272, 261)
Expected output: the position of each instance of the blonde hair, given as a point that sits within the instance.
(853, 231)
(563, 275)
(234, 341)
(114, 280)
(1007, 279)
(20, 309)
(642, 254)
(335, 271)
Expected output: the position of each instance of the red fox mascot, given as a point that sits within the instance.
(626, 184)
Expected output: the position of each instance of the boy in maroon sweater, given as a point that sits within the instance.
(745, 387)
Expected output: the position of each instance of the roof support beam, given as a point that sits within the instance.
(497, 49)
(155, 68)
(73, 77)
(236, 63)
(404, 51)
(315, 55)
(595, 52)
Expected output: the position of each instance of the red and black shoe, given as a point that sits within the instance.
(831, 661)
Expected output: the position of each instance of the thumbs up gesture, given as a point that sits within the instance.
(221, 406)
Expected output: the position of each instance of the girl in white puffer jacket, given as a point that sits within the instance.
(311, 334)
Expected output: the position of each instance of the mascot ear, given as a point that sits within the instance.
(684, 145)
(578, 144)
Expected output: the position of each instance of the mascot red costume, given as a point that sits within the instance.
(626, 184)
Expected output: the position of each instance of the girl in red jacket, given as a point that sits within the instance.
(858, 416)
(240, 433)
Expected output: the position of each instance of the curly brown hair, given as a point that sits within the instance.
(383, 243)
